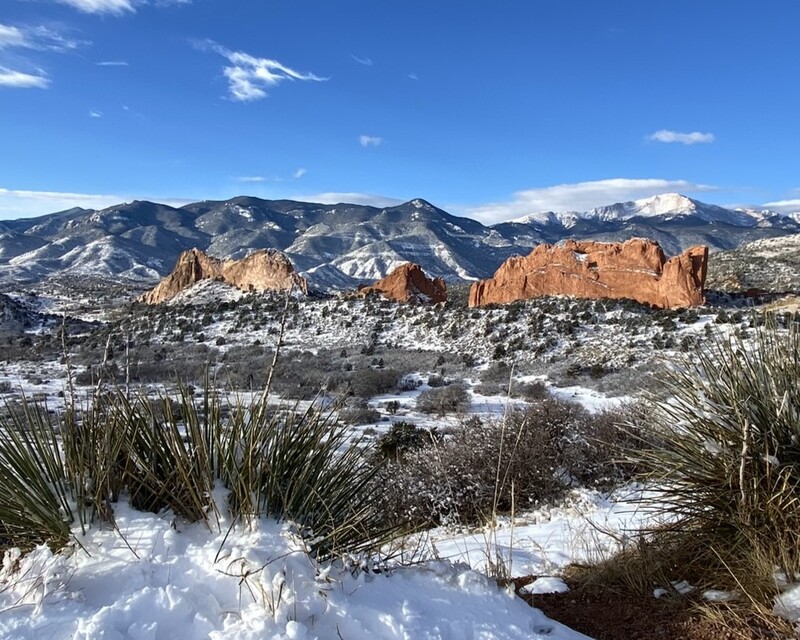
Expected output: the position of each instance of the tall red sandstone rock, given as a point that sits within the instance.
(260, 271)
(636, 269)
(408, 283)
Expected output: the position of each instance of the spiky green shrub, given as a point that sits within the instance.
(726, 452)
(170, 453)
(36, 504)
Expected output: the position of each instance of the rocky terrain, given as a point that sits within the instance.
(408, 283)
(263, 270)
(636, 270)
(770, 264)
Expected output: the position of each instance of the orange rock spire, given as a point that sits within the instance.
(261, 271)
(408, 283)
(636, 269)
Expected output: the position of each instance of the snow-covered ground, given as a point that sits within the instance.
(160, 579)
(588, 526)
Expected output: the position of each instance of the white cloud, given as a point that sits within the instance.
(579, 196)
(112, 63)
(20, 203)
(40, 38)
(16, 203)
(413, 76)
(695, 137)
(367, 62)
(299, 173)
(784, 206)
(116, 7)
(251, 179)
(370, 141)
(11, 36)
(20, 80)
(95, 114)
(335, 197)
(249, 76)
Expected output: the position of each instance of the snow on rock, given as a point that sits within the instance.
(184, 581)
(546, 584)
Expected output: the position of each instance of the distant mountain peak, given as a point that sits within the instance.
(666, 203)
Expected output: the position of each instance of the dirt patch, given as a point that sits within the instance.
(604, 614)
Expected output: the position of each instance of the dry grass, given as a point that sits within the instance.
(725, 449)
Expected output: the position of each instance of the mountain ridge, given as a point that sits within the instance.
(342, 245)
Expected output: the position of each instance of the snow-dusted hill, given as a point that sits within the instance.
(342, 245)
(770, 264)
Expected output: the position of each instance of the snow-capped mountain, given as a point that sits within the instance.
(341, 245)
(667, 206)
(334, 245)
(674, 220)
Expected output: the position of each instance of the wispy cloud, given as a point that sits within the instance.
(784, 206)
(34, 38)
(370, 141)
(11, 36)
(251, 179)
(695, 137)
(112, 63)
(249, 77)
(20, 80)
(116, 7)
(39, 38)
(413, 76)
(367, 62)
(20, 203)
(299, 173)
(17, 203)
(351, 197)
(95, 114)
(113, 7)
(580, 196)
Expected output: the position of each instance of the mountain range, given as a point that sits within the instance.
(341, 245)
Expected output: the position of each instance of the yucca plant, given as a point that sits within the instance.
(36, 503)
(302, 466)
(170, 453)
(726, 452)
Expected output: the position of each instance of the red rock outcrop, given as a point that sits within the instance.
(260, 271)
(636, 269)
(408, 283)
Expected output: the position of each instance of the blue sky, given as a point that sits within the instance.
(487, 109)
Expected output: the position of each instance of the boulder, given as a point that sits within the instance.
(636, 269)
(408, 283)
(264, 270)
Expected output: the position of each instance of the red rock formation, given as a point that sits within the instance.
(636, 269)
(408, 283)
(260, 271)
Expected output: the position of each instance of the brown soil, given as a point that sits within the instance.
(604, 614)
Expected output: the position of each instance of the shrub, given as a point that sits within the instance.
(530, 391)
(482, 468)
(358, 412)
(367, 383)
(443, 400)
(728, 460)
(403, 437)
